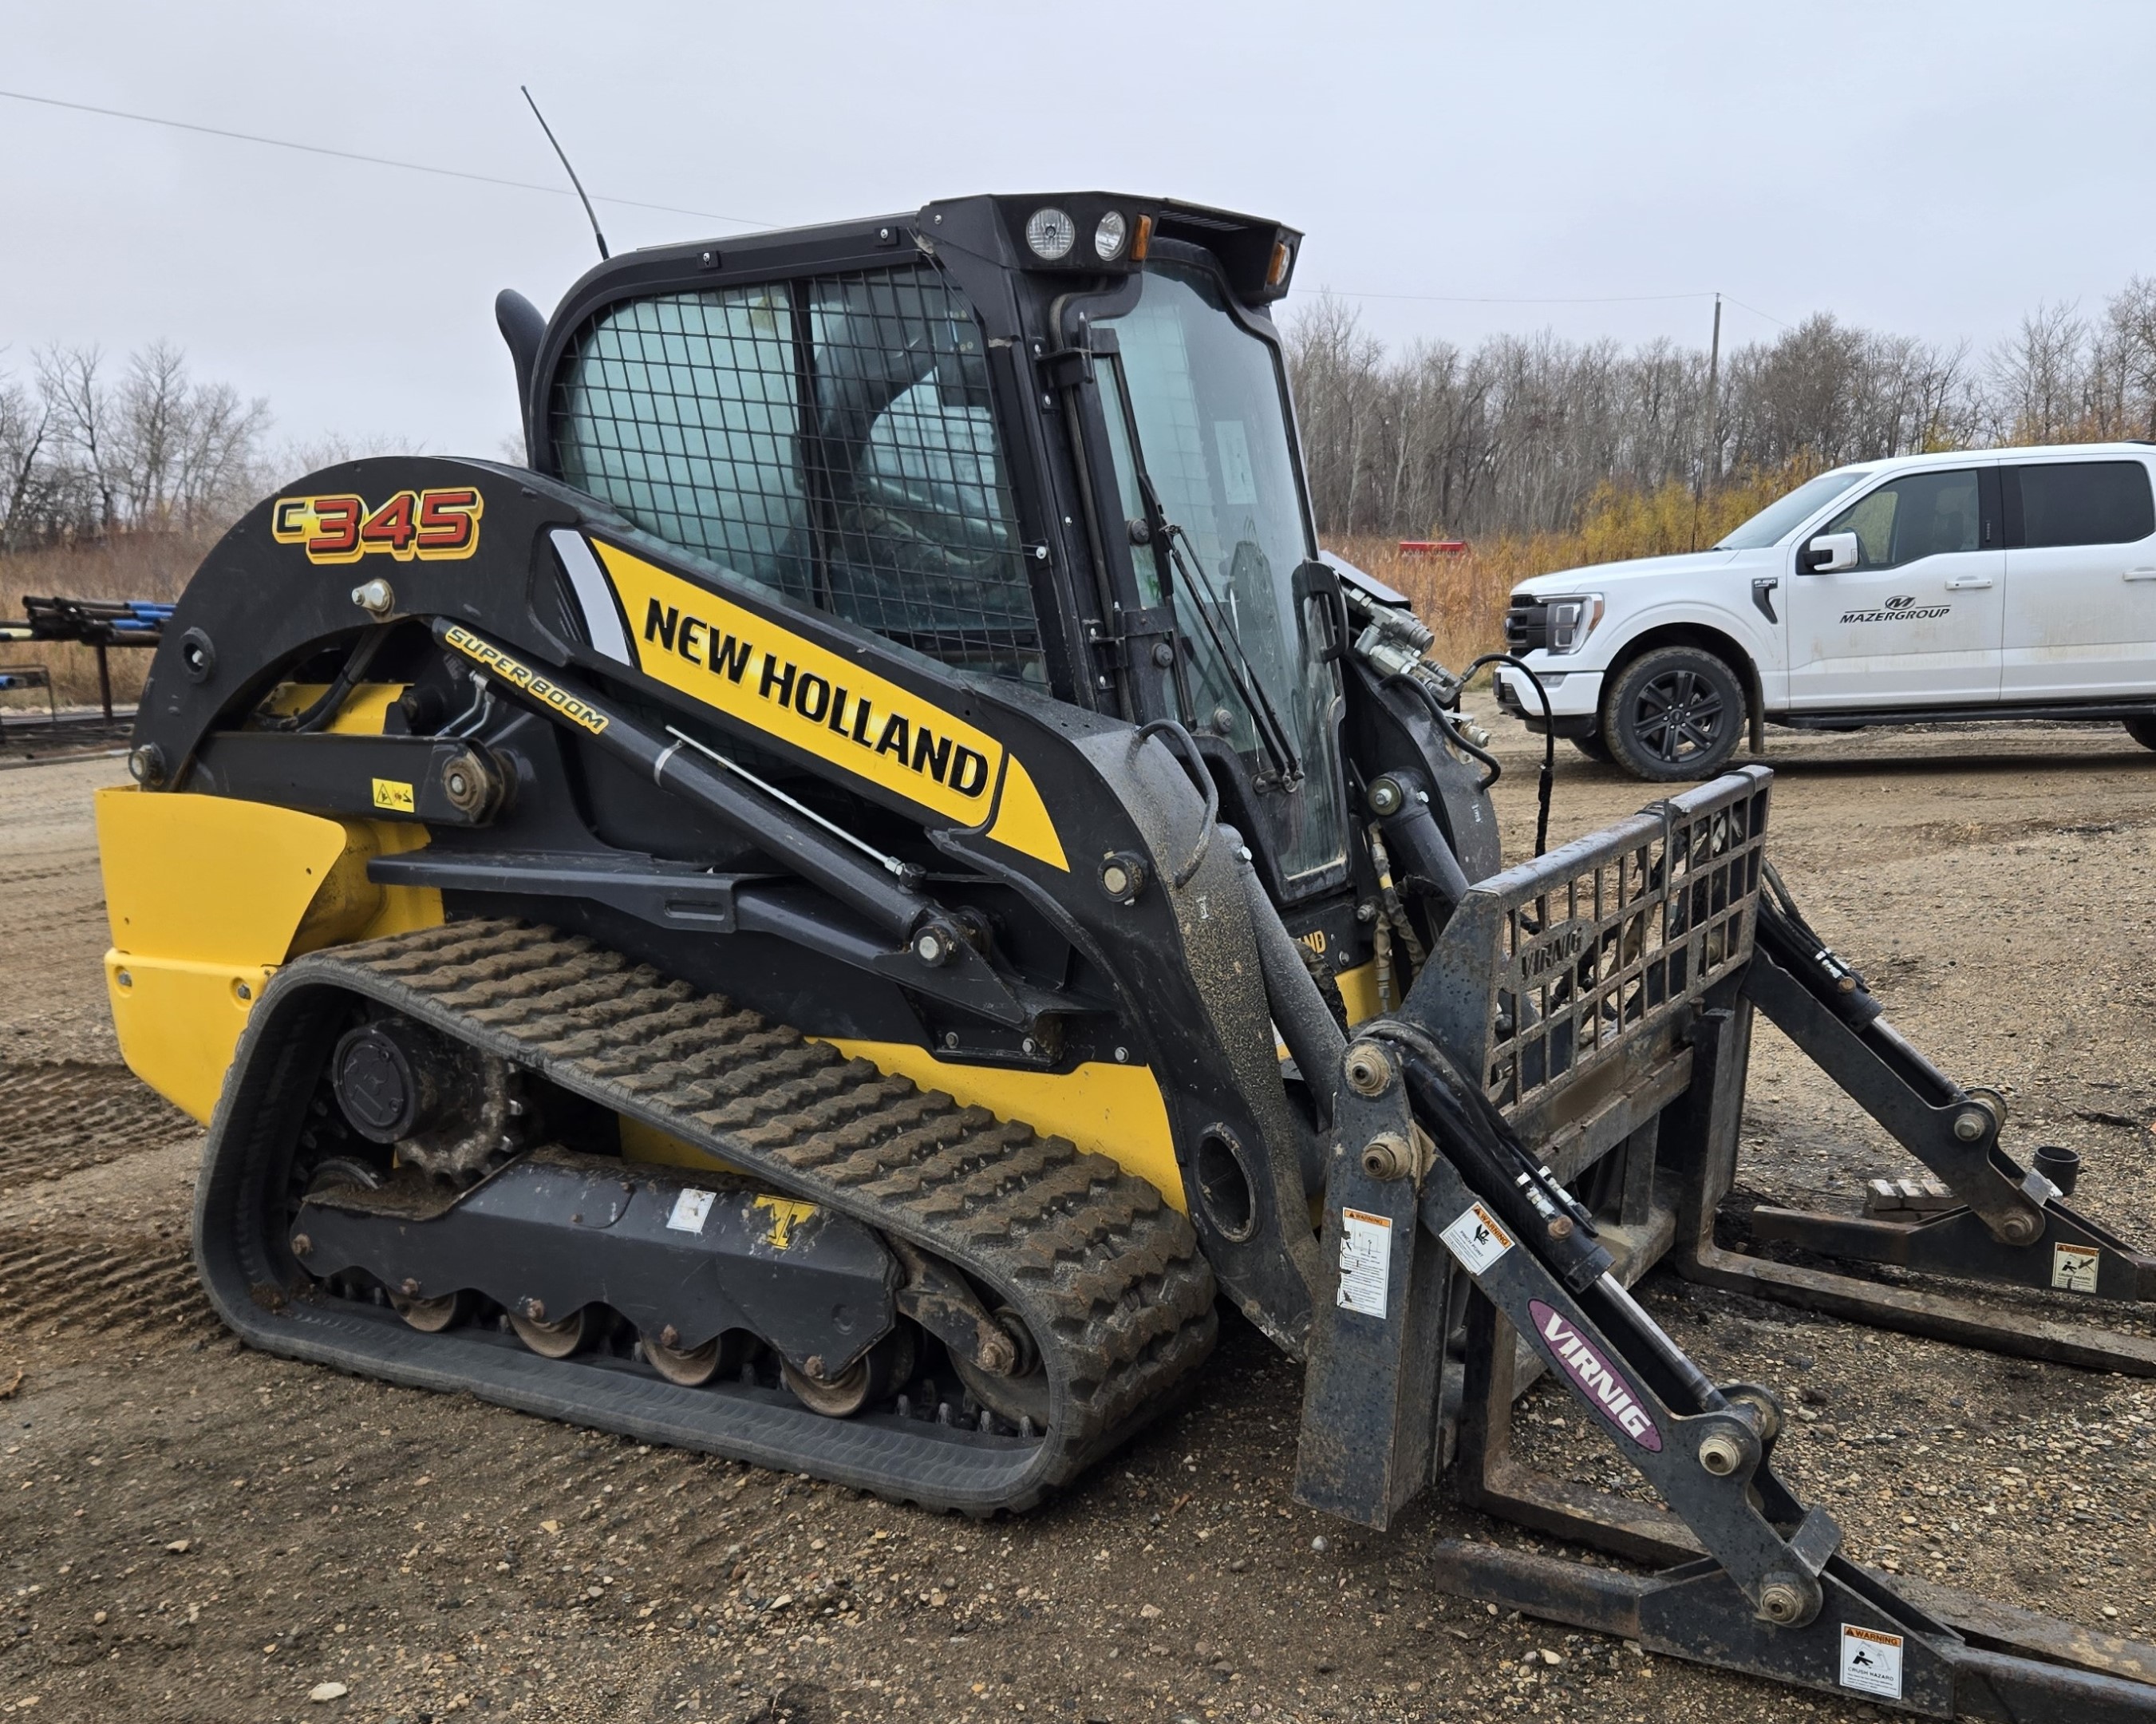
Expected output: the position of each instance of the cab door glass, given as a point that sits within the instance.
(1211, 413)
(1910, 519)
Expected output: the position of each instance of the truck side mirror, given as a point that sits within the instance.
(1830, 553)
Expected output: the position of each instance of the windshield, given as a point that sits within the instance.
(1771, 523)
(1212, 423)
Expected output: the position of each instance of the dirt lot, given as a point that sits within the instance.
(191, 1532)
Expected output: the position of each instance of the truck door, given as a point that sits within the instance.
(1916, 622)
(2081, 579)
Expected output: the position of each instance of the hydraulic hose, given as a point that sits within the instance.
(1549, 741)
(1467, 1128)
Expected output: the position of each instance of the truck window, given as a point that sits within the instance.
(1918, 515)
(884, 499)
(2083, 503)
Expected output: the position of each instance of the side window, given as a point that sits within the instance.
(681, 412)
(832, 439)
(1919, 515)
(2089, 502)
(921, 531)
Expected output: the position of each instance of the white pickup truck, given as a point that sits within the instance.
(1999, 584)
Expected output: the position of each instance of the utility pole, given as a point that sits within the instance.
(1709, 445)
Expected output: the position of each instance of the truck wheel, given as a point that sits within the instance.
(2143, 729)
(1592, 746)
(1674, 713)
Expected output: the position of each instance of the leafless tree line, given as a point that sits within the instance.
(1517, 434)
(88, 448)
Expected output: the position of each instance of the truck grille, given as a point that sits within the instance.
(1527, 625)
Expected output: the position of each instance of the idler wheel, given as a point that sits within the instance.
(1021, 1396)
(874, 1376)
(557, 1340)
(693, 1366)
(431, 1316)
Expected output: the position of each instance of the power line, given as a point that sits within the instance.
(1598, 299)
(742, 221)
(283, 143)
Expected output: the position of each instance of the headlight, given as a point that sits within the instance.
(1571, 621)
(1108, 238)
(1050, 233)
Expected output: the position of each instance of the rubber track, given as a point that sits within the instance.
(1106, 1275)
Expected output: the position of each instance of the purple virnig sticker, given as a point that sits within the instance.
(1606, 1390)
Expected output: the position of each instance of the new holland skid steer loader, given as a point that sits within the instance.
(830, 917)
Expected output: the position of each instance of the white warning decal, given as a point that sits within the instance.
(1872, 1661)
(1365, 1261)
(690, 1209)
(1476, 1239)
(2074, 1266)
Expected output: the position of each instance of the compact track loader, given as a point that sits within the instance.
(830, 917)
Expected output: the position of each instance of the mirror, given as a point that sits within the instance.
(1830, 553)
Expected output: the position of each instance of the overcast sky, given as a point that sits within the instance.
(1934, 169)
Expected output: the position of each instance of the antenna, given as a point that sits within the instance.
(570, 172)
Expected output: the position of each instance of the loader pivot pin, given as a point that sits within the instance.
(1388, 1156)
(1369, 1069)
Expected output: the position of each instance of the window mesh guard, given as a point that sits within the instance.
(830, 438)
(1565, 965)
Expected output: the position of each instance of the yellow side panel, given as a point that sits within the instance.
(178, 1022)
(1116, 1111)
(1023, 820)
(1359, 992)
(206, 896)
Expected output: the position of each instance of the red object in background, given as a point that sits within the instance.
(1434, 547)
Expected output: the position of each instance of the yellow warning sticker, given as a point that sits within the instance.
(393, 795)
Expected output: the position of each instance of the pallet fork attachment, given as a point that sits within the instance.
(1595, 1004)
(2011, 1229)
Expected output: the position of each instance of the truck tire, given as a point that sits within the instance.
(1592, 746)
(1674, 714)
(2141, 729)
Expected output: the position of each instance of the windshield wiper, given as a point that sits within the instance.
(1242, 675)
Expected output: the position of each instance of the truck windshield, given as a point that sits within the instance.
(1211, 415)
(1766, 528)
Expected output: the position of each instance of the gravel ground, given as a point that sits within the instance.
(192, 1532)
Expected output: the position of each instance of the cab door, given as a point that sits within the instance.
(2081, 579)
(1915, 620)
